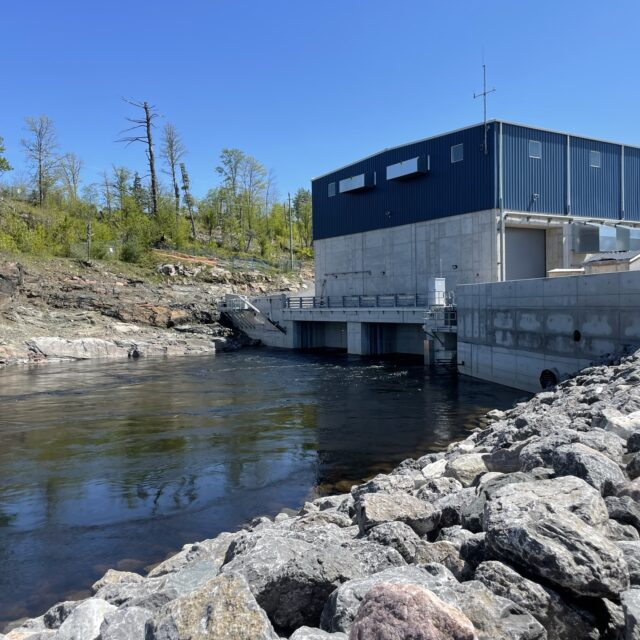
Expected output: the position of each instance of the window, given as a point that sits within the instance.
(595, 159)
(535, 149)
(457, 153)
(332, 189)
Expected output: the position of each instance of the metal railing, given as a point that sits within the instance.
(441, 317)
(395, 301)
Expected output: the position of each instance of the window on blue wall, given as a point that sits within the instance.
(457, 153)
(535, 149)
(332, 189)
(595, 159)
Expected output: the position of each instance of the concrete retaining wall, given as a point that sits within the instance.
(509, 332)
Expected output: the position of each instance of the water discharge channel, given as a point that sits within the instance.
(117, 464)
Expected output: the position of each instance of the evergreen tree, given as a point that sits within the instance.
(4, 163)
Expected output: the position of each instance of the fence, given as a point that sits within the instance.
(391, 301)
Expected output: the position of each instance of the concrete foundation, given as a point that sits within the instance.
(512, 332)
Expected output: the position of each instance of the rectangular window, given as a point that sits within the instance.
(595, 159)
(332, 189)
(457, 153)
(535, 149)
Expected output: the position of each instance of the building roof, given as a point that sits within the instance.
(472, 126)
(613, 256)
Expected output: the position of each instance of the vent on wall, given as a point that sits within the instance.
(361, 182)
(409, 168)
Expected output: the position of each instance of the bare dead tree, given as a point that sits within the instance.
(172, 151)
(188, 198)
(40, 152)
(146, 124)
(70, 167)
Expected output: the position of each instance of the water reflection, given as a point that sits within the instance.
(116, 464)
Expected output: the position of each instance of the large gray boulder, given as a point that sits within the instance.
(466, 468)
(631, 551)
(291, 577)
(223, 609)
(85, 620)
(209, 553)
(57, 614)
(631, 607)
(391, 611)
(116, 577)
(592, 466)
(546, 527)
(373, 509)
(128, 623)
(624, 509)
(399, 536)
(561, 621)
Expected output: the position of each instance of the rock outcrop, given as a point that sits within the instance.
(527, 530)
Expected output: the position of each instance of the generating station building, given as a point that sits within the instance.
(402, 232)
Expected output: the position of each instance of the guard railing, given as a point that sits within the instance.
(400, 300)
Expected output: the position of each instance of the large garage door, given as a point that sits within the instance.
(526, 253)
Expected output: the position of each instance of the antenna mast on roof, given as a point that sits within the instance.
(484, 95)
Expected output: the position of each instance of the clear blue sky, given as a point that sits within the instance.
(306, 86)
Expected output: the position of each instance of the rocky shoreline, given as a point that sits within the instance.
(64, 310)
(528, 529)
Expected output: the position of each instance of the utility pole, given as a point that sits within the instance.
(290, 232)
(484, 95)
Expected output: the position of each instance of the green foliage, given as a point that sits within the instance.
(4, 163)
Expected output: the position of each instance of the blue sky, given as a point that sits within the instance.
(306, 86)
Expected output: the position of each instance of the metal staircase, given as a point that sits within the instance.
(244, 315)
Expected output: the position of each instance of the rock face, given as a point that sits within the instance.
(223, 609)
(395, 611)
(529, 529)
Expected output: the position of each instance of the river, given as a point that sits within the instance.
(117, 464)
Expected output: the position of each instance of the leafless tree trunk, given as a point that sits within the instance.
(188, 198)
(40, 152)
(172, 151)
(70, 168)
(145, 123)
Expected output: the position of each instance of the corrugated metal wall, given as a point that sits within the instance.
(538, 185)
(632, 183)
(448, 189)
(595, 191)
(534, 184)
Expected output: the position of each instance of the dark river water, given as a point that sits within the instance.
(116, 464)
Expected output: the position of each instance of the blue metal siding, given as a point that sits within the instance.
(632, 183)
(534, 184)
(595, 191)
(448, 189)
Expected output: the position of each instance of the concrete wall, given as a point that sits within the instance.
(509, 332)
(400, 259)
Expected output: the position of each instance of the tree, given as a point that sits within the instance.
(4, 163)
(121, 177)
(107, 193)
(138, 192)
(303, 217)
(70, 166)
(188, 198)
(172, 151)
(146, 124)
(40, 151)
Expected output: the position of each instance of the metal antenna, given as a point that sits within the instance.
(484, 95)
